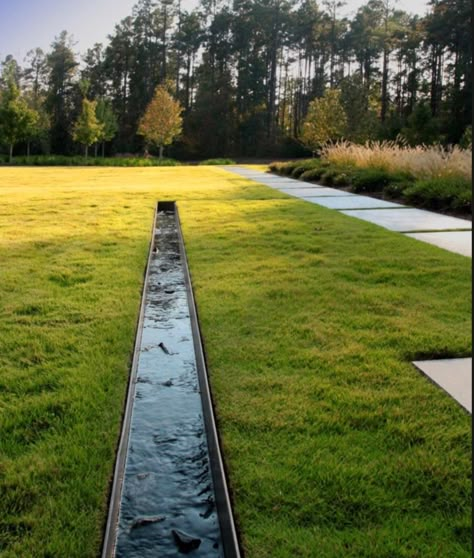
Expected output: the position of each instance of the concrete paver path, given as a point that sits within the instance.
(454, 375)
(449, 233)
(455, 241)
(409, 219)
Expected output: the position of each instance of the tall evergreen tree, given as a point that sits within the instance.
(93, 71)
(62, 66)
(35, 75)
(120, 56)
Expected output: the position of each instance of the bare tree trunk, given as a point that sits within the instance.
(284, 100)
(273, 79)
(86, 153)
(188, 84)
(103, 149)
(28, 149)
(11, 153)
(96, 149)
(178, 57)
(383, 112)
(161, 152)
(164, 45)
(436, 84)
(191, 99)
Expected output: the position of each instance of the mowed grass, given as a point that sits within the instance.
(334, 444)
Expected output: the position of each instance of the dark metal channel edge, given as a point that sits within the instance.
(108, 545)
(230, 540)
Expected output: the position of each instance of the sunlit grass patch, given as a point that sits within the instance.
(334, 443)
(332, 439)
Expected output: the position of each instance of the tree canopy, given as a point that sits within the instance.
(247, 72)
(87, 129)
(326, 120)
(17, 121)
(162, 122)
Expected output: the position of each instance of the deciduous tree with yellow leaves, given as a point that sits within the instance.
(162, 122)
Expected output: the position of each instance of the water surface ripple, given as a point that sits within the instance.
(168, 501)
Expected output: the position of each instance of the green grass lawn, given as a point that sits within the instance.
(335, 445)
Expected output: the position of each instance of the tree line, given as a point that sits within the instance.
(246, 73)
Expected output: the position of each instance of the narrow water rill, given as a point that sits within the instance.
(169, 495)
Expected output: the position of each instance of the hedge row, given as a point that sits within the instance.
(442, 194)
(61, 161)
(64, 161)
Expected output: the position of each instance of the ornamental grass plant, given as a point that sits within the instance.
(422, 162)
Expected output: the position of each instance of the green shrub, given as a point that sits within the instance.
(303, 166)
(342, 179)
(329, 176)
(313, 174)
(441, 193)
(298, 171)
(395, 189)
(276, 167)
(218, 162)
(463, 202)
(370, 180)
(288, 168)
(376, 180)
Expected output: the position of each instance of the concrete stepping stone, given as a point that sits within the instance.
(410, 219)
(260, 177)
(308, 193)
(356, 202)
(276, 179)
(454, 375)
(284, 183)
(297, 185)
(459, 242)
(242, 171)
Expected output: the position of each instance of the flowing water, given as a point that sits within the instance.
(168, 501)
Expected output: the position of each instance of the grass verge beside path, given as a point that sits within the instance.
(335, 444)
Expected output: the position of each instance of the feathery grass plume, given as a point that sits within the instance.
(421, 161)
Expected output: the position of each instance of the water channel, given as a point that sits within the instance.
(165, 496)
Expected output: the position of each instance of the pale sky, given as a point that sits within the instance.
(27, 24)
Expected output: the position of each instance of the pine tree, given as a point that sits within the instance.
(62, 69)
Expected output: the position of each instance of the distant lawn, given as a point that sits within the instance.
(335, 445)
